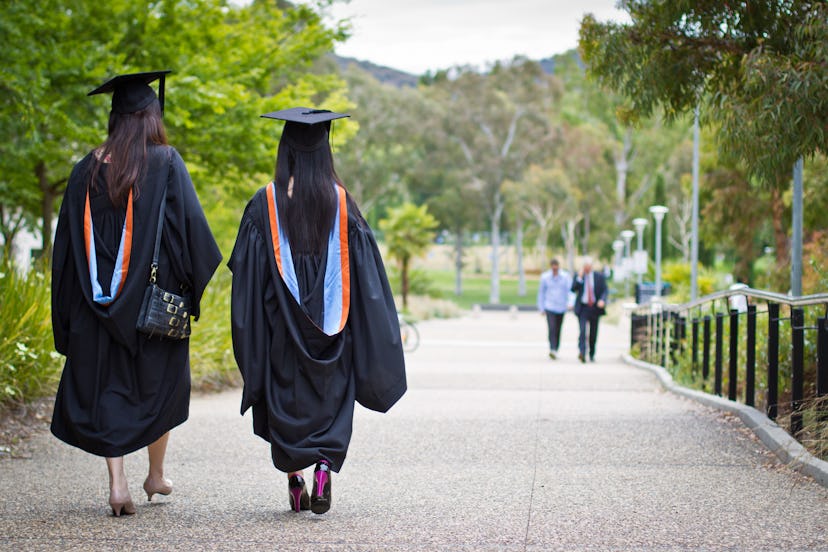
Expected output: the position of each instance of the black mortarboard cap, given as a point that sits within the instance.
(132, 92)
(306, 129)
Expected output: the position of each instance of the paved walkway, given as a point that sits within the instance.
(495, 447)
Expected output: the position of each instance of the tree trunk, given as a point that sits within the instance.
(622, 167)
(9, 226)
(494, 293)
(519, 246)
(585, 236)
(568, 232)
(47, 207)
(540, 244)
(458, 262)
(780, 234)
(404, 283)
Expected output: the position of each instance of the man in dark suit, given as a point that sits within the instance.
(590, 301)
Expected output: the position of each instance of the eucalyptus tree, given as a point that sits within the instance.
(542, 198)
(499, 122)
(444, 184)
(758, 68)
(755, 68)
(636, 150)
(382, 158)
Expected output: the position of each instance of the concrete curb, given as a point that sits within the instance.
(774, 437)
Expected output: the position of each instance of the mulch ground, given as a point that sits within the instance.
(19, 423)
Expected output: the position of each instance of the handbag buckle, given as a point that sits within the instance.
(174, 322)
(172, 309)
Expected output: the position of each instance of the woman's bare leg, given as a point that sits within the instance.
(119, 498)
(156, 482)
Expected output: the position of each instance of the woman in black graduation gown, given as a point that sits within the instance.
(314, 322)
(120, 390)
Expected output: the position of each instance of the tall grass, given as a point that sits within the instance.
(211, 344)
(29, 365)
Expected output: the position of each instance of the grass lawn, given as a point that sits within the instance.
(476, 289)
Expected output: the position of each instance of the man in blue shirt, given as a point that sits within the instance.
(553, 296)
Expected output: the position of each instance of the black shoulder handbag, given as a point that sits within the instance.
(163, 313)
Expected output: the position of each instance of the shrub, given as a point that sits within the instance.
(29, 366)
(815, 431)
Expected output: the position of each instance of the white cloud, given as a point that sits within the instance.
(418, 35)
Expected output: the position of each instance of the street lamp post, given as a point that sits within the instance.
(627, 236)
(640, 259)
(618, 248)
(658, 212)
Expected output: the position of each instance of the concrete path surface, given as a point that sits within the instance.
(494, 447)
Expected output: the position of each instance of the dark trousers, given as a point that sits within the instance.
(588, 320)
(554, 321)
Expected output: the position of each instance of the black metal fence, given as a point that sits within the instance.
(775, 357)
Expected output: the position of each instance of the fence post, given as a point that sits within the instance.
(733, 355)
(695, 339)
(822, 367)
(773, 360)
(637, 321)
(797, 367)
(750, 364)
(719, 353)
(681, 334)
(706, 351)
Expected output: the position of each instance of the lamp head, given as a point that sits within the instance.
(658, 211)
(639, 223)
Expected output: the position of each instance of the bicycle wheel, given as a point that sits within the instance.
(410, 336)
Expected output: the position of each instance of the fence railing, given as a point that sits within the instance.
(778, 363)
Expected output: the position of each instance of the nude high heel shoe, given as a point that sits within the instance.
(164, 487)
(121, 505)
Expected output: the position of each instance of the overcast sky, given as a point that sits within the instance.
(418, 35)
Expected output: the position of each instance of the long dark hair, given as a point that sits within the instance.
(125, 150)
(307, 216)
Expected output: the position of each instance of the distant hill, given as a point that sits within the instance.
(385, 75)
(550, 64)
(400, 79)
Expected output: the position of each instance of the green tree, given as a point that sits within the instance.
(408, 231)
(758, 67)
(378, 163)
(231, 63)
(619, 172)
(445, 185)
(499, 121)
(539, 198)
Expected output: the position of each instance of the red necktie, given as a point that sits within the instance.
(590, 296)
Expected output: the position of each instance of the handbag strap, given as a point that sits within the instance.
(161, 209)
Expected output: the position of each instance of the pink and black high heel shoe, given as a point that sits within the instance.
(321, 497)
(297, 493)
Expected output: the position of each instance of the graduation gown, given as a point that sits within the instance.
(301, 382)
(120, 390)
